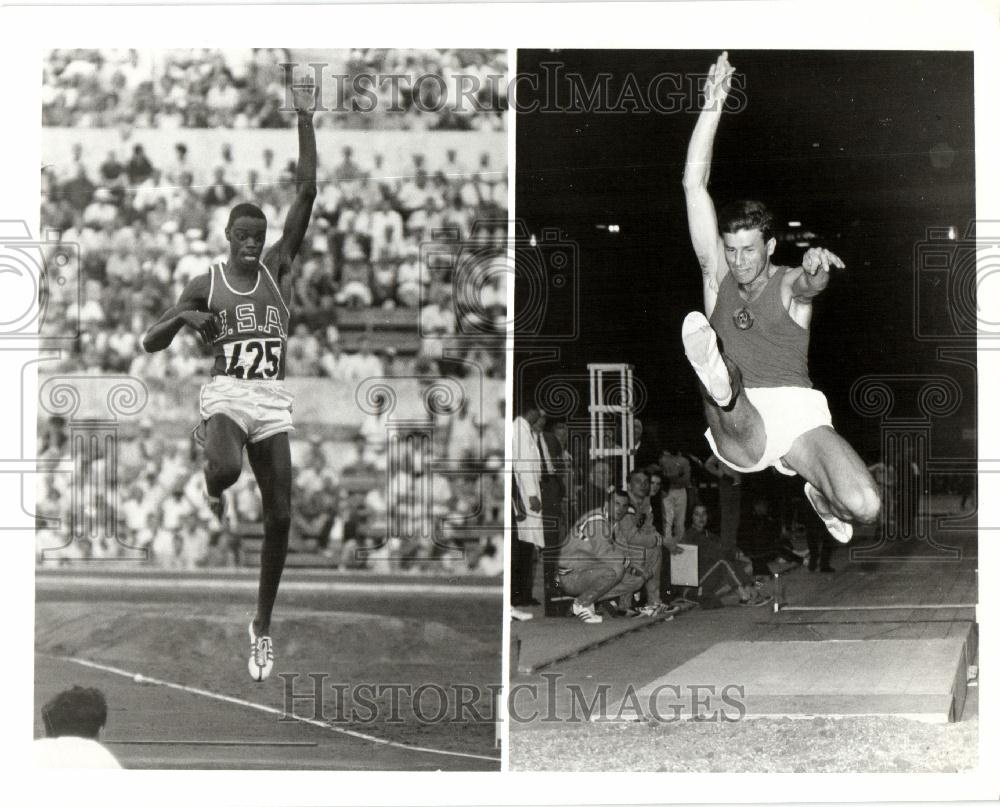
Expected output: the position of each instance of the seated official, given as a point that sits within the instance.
(591, 567)
(718, 566)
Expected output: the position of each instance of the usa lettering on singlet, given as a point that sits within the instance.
(253, 327)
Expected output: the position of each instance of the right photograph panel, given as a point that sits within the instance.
(744, 415)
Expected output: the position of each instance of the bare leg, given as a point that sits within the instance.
(272, 465)
(738, 428)
(826, 460)
(224, 441)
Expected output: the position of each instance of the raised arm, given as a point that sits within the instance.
(192, 310)
(280, 256)
(702, 222)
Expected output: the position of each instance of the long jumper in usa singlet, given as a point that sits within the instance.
(253, 327)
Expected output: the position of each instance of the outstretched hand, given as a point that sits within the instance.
(304, 96)
(818, 258)
(719, 77)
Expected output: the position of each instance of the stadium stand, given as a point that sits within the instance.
(140, 172)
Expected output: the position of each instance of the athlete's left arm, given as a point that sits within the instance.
(280, 256)
(813, 276)
(802, 284)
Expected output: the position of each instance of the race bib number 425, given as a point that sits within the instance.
(253, 359)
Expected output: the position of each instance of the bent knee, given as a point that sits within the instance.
(223, 473)
(608, 575)
(863, 503)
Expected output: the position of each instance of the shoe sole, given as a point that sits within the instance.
(702, 351)
(837, 527)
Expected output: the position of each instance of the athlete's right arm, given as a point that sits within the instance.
(702, 222)
(191, 309)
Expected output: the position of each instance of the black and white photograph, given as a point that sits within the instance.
(269, 526)
(745, 412)
(498, 403)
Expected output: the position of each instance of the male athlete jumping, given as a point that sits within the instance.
(240, 308)
(759, 401)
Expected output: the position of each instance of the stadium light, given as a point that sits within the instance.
(613, 228)
(795, 224)
(802, 244)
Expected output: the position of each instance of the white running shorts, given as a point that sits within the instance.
(261, 408)
(788, 413)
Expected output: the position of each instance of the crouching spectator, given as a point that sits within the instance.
(636, 535)
(717, 565)
(591, 567)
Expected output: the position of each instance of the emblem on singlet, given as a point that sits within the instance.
(743, 319)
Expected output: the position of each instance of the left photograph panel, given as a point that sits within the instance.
(269, 518)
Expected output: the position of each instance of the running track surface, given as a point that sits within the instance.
(158, 726)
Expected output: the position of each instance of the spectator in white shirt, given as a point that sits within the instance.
(175, 507)
(150, 191)
(73, 722)
(194, 263)
(409, 278)
(363, 364)
(102, 211)
(386, 227)
(303, 352)
(332, 363)
(424, 220)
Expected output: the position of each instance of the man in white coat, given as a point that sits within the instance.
(526, 505)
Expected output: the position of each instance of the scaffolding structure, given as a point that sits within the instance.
(620, 386)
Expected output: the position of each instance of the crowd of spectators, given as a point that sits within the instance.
(351, 510)
(609, 543)
(164, 89)
(137, 233)
(245, 88)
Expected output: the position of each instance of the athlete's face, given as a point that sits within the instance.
(246, 240)
(747, 254)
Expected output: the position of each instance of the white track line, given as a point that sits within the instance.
(108, 582)
(270, 710)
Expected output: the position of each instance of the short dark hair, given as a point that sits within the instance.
(746, 214)
(245, 210)
(76, 712)
(633, 472)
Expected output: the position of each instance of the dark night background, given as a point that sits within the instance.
(866, 149)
